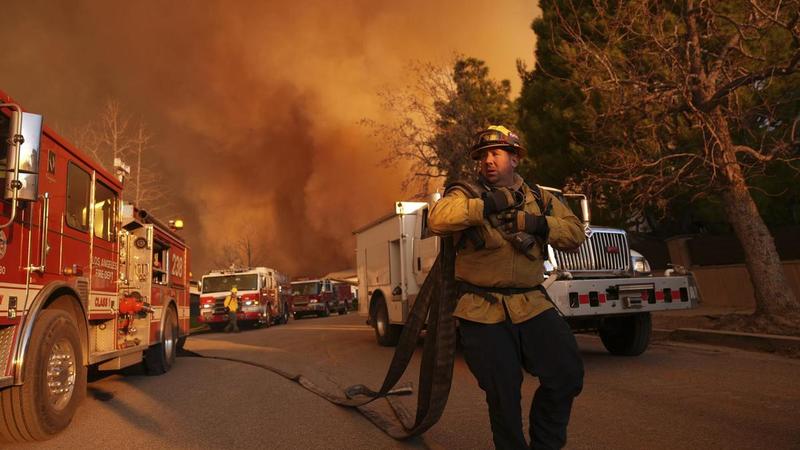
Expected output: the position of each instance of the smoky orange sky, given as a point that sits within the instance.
(254, 105)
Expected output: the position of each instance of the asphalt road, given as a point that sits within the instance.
(673, 397)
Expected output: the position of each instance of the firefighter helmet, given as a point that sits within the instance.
(496, 136)
(234, 290)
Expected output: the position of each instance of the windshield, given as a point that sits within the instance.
(248, 282)
(306, 288)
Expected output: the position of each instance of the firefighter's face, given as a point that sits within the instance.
(498, 165)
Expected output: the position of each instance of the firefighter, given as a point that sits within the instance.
(232, 305)
(501, 227)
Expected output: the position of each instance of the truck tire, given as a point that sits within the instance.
(55, 382)
(342, 310)
(387, 335)
(159, 358)
(217, 326)
(626, 335)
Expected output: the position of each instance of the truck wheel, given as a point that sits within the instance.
(55, 382)
(387, 334)
(159, 358)
(626, 335)
(343, 310)
(216, 326)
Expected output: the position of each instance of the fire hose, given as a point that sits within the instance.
(435, 302)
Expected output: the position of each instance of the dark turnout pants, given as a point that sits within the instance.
(233, 322)
(543, 346)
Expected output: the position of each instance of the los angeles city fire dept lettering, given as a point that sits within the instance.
(104, 268)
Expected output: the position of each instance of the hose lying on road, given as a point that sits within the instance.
(435, 301)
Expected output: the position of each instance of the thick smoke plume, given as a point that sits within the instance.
(254, 104)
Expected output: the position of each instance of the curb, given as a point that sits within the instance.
(743, 341)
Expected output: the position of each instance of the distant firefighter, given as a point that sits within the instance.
(232, 305)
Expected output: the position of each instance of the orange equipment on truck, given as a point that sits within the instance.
(84, 279)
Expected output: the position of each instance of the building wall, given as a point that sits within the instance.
(730, 285)
(717, 263)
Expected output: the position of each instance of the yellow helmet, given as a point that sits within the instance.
(496, 136)
(234, 290)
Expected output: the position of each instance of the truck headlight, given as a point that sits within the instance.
(313, 300)
(207, 305)
(639, 263)
(248, 303)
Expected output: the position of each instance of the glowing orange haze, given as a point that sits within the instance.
(254, 104)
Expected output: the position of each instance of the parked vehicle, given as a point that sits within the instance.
(320, 298)
(263, 296)
(604, 286)
(84, 279)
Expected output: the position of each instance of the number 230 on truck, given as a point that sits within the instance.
(84, 279)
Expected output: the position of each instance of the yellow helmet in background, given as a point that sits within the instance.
(234, 290)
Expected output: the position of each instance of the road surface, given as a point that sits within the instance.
(675, 396)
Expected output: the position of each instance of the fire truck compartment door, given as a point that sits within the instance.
(140, 250)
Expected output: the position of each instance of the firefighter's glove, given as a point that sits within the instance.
(519, 221)
(499, 200)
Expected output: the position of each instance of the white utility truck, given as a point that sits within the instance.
(603, 287)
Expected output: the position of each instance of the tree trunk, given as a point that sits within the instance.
(773, 294)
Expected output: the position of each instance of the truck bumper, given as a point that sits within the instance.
(220, 318)
(314, 308)
(611, 296)
(249, 315)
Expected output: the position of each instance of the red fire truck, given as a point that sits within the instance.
(263, 296)
(84, 279)
(320, 297)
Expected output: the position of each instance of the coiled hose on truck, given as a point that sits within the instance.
(435, 302)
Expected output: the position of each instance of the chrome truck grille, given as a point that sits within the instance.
(606, 250)
(219, 305)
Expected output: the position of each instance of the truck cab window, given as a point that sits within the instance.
(77, 211)
(104, 212)
(160, 263)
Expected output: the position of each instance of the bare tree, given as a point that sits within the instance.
(113, 136)
(433, 120)
(241, 251)
(694, 95)
(145, 186)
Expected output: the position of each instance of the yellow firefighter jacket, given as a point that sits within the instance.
(231, 302)
(498, 264)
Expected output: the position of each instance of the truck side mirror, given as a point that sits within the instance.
(585, 213)
(23, 153)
